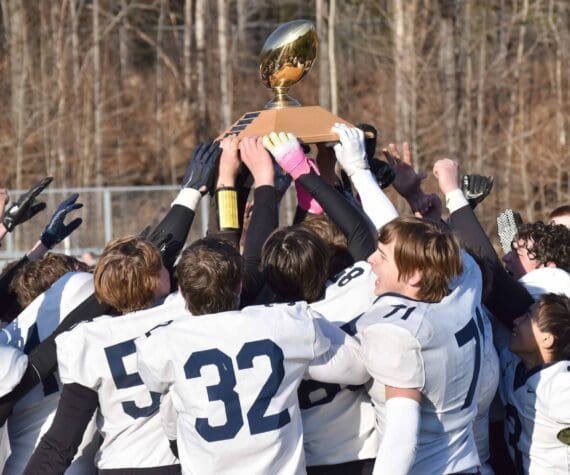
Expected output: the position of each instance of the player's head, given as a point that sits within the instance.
(544, 330)
(416, 258)
(129, 275)
(560, 215)
(210, 274)
(333, 237)
(294, 264)
(36, 277)
(538, 245)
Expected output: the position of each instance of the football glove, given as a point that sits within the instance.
(476, 188)
(350, 152)
(56, 230)
(202, 167)
(26, 207)
(288, 153)
(508, 223)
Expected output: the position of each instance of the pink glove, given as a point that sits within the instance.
(287, 151)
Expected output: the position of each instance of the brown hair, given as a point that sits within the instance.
(128, 274)
(209, 275)
(426, 246)
(553, 316)
(333, 237)
(560, 211)
(36, 277)
(295, 264)
(545, 243)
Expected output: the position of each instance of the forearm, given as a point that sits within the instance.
(375, 203)
(361, 241)
(507, 299)
(58, 446)
(264, 220)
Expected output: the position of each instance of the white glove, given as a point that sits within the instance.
(350, 152)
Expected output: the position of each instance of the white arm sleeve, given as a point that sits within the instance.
(13, 363)
(375, 203)
(455, 200)
(342, 362)
(188, 198)
(398, 448)
(152, 364)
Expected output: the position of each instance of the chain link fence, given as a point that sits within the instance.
(109, 213)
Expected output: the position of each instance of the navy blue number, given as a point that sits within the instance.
(307, 387)
(50, 383)
(515, 436)
(122, 379)
(258, 421)
(223, 391)
(397, 308)
(466, 334)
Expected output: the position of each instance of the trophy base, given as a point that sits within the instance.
(281, 101)
(311, 124)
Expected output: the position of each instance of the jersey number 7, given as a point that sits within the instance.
(224, 390)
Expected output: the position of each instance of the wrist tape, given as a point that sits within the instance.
(227, 208)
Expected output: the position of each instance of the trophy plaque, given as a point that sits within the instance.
(286, 57)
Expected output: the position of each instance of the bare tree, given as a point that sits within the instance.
(332, 57)
(323, 59)
(200, 30)
(97, 95)
(226, 95)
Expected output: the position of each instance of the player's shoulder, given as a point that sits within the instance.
(400, 311)
(554, 381)
(290, 310)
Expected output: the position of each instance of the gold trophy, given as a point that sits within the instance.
(286, 57)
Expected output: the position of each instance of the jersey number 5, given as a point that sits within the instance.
(224, 390)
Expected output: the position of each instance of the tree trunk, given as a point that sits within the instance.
(323, 59)
(187, 57)
(159, 151)
(332, 57)
(97, 96)
(200, 31)
(226, 96)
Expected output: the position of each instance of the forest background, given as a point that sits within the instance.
(117, 92)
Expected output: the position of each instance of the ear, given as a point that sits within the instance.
(546, 341)
(415, 279)
(550, 264)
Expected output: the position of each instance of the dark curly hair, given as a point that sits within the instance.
(545, 243)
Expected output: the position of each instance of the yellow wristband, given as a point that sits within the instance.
(227, 208)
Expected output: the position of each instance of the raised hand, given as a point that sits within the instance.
(202, 166)
(406, 182)
(26, 207)
(447, 173)
(288, 152)
(476, 188)
(256, 158)
(350, 152)
(229, 162)
(56, 230)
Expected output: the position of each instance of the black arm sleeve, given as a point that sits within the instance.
(8, 301)
(507, 299)
(177, 223)
(59, 444)
(361, 240)
(264, 220)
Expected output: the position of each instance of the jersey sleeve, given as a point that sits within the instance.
(73, 357)
(558, 397)
(392, 356)
(168, 417)
(13, 363)
(153, 364)
(321, 343)
(342, 362)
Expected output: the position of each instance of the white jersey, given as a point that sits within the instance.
(538, 413)
(12, 366)
(488, 384)
(234, 377)
(33, 414)
(100, 355)
(436, 347)
(546, 280)
(338, 420)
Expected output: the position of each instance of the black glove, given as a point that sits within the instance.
(476, 188)
(169, 248)
(201, 168)
(379, 168)
(56, 230)
(26, 207)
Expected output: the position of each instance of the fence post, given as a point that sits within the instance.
(107, 216)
